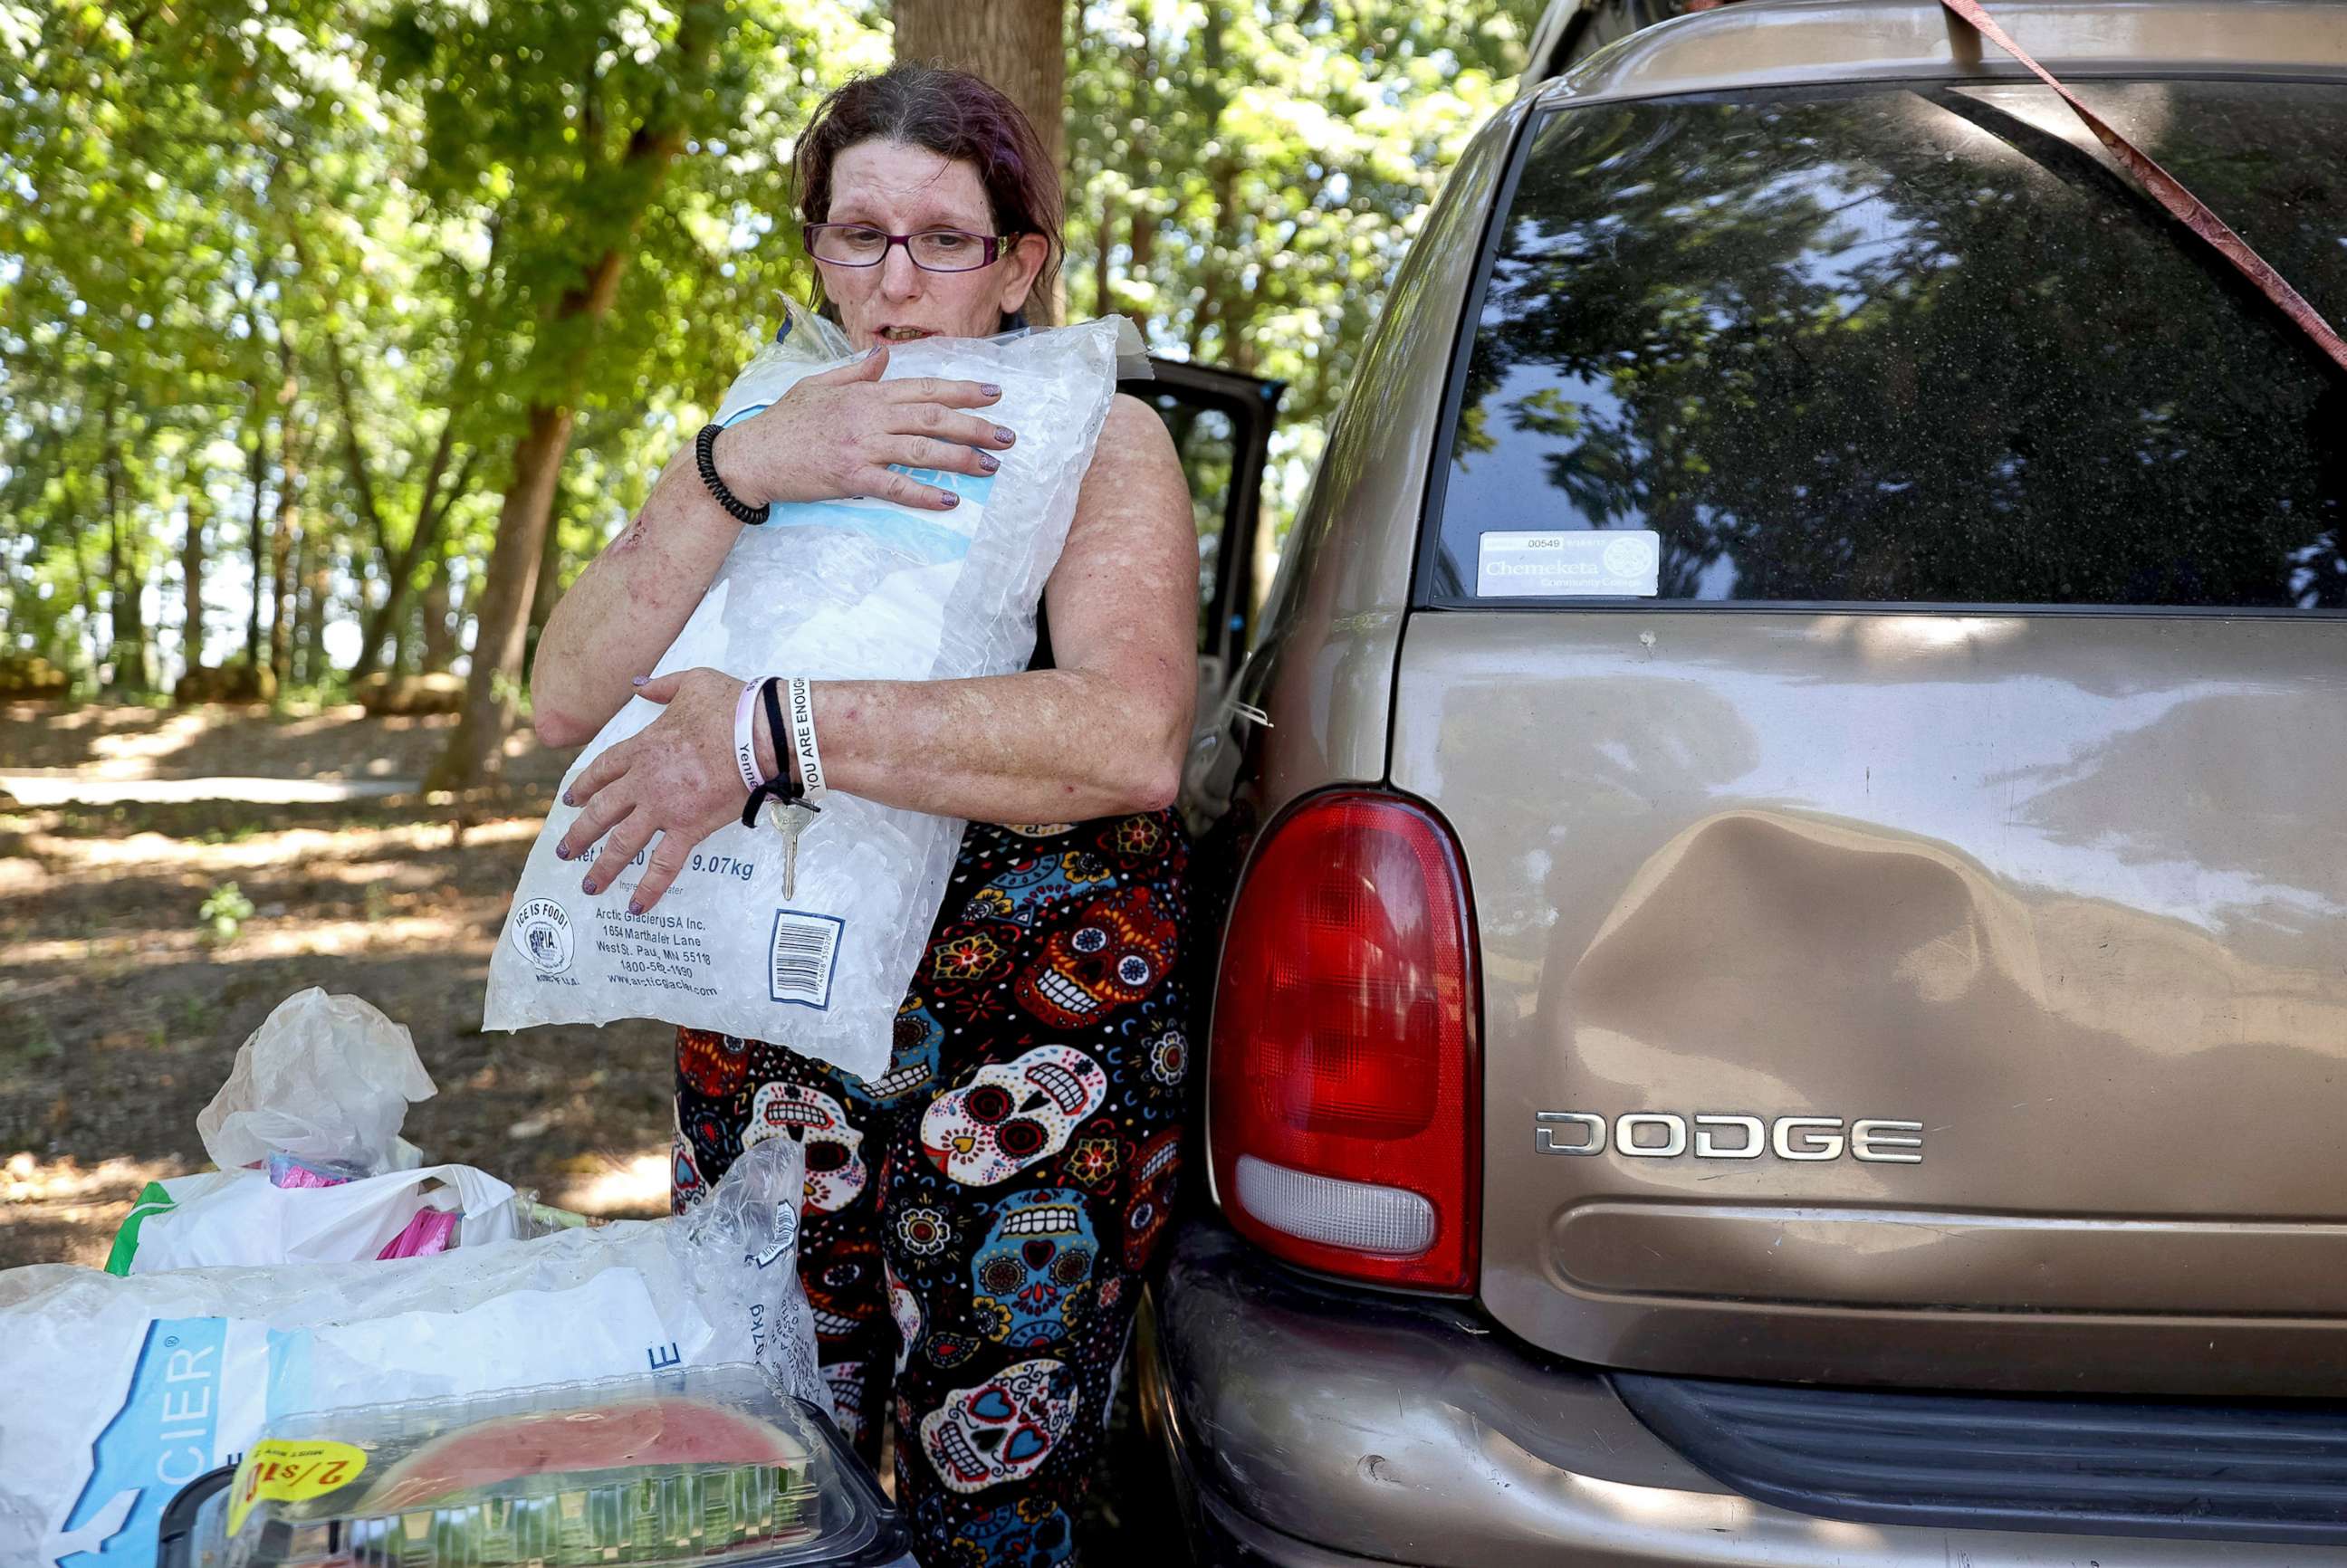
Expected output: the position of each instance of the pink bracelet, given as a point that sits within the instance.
(745, 744)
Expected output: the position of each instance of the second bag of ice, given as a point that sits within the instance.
(854, 589)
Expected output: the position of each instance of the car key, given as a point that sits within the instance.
(793, 819)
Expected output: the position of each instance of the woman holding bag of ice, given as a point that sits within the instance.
(978, 1214)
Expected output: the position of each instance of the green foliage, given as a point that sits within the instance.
(224, 912)
(1253, 172)
(282, 278)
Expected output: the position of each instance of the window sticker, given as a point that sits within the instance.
(1611, 563)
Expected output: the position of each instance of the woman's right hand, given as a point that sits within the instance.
(836, 435)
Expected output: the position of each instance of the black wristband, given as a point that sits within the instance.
(782, 787)
(769, 693)
(704, 452)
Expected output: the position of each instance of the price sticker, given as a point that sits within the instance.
(289, 1472)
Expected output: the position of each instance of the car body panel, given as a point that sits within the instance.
(1800, 43)
(1318, 1428)
(2065, 887)
(1322, 668)
(1570, 30)
(2068, 890)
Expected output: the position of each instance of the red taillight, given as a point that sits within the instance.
(1342, 1087)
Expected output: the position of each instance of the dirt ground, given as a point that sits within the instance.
(120, 1011)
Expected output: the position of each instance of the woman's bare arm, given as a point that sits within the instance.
(832, 434)
(627, 607)
(1102, 735)
(1105, 732)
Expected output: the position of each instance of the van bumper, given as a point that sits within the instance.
(1310, 1426)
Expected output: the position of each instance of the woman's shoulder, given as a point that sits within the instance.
(1136, 475)
(1133, 441)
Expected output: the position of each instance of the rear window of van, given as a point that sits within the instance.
(1904, 346)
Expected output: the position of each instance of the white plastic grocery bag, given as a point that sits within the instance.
(238, 1218)
(120, 1392)
(324, 1078)
(313, 1169)
(860, 589)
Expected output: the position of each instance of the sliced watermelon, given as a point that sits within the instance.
(586, 1445)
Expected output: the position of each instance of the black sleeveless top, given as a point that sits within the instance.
(1041, 659)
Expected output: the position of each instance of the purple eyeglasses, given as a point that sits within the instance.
(932, 250)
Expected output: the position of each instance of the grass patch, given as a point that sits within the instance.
(27, 1041)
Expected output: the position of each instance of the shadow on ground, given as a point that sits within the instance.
(121, 1009)
(340, 742)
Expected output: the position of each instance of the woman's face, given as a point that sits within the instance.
(900, 188)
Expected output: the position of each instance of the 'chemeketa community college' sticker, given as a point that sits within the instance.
(542, 934)
(1622, 562)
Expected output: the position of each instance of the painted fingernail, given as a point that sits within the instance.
(988, 461)
(990, 389)
(947, 501)
(1003, 434)
(560, 853)
(588, 887)
(634, 907)
(639, 679)
(566, 799)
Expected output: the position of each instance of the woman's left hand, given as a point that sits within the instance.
(675, 778)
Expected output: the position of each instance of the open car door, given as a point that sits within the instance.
(1221, 421)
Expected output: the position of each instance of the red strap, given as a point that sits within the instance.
(2169, 191)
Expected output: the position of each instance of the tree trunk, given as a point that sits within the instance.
(439, 634)
(501, 623)
(317, 587)
(433, 505)
(134, 659)
(284, 593)
(1223, 284)
(87, 593)
(297, 607)
(256, 529)
(549, 589)
(1220, 292)
(423, 541)
(354, 453)
(395, 649)
(281, 542)
(1141, 67)
(1104, 241)
(376, 556)
(1020, 47)
(1144, 238)
(630, 187)
(126, 581)
(191, 589)
(476, 751)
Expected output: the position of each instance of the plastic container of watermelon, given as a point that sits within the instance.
(705, 1466)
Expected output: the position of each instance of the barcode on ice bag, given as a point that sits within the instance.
(807, 950)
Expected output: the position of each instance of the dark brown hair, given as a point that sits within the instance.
(954, 115)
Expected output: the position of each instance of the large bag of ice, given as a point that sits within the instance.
(849, 590)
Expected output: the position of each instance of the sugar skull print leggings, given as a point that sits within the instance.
(977, 1216)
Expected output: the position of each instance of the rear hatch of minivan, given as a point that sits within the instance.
(1881, 643)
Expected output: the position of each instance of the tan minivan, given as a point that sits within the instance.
(1779, 995)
